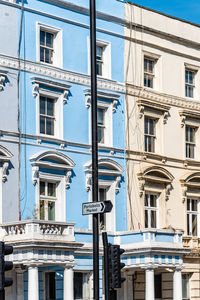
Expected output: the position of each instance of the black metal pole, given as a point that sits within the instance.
(106, 265)
(2, 295)
(94, 148)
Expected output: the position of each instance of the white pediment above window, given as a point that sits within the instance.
(5, 157)
(113, 98)
(190, 184)
(189, 115)
(51, 160)
(42, 85)
(155, 176)
(3, 75)
(106, 167)
(158, 109)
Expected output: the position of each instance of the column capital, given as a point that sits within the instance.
(178, 268)
(20, 269)
(150, 267)
(69, 265)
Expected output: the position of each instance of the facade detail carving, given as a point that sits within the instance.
(2, 79)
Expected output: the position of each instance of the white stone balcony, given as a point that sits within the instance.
(37, 230)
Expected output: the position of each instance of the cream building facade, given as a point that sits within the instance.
(162, 74)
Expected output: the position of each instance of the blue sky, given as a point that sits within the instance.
(185, 9)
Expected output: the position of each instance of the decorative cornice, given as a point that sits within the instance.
(144, 93)
(59, 74)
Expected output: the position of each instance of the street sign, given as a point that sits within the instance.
(96, 207)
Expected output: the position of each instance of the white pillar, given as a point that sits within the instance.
(177, 285)
(33, 286)
(149, 290)
(68, 283)
(19, 283)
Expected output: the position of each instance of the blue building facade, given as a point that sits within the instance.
(46, 147)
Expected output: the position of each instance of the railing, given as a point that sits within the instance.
(37, 229)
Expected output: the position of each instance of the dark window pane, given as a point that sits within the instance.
(194, 205)
(146, 219)
(42, 188)
(188, 204)
(50, 286)
(41, 210)
(158, 286)
(42, 105)
(49, 40)
(188, 224)
(47, 56)
(146, 200)
(51, 189)
(153, 219)
(49, 126)
(100, 134)
(194, 225)
(51, 211)
(41, 54)
(78, 285)
(42, 124)
(100, 116)
(42, 38)
(50, 107)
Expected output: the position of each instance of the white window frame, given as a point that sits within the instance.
(190, 213)
(151, 136)
(189, 143)
(190, 85)
(156, 75)
(57, 44)
(41, 87)
(108, 102)
(60, 203)
(62, 163)
(106, 65)
(149, 209)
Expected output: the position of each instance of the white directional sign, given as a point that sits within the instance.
(96, 207)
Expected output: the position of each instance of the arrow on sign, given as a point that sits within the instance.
(96, 207)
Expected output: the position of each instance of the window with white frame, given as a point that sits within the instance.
(186, 286)
(48, 199)
(49, 45)
(106, 107)
(190, 133)
(149, 134)
(103, 58)
(149, 72)
(192, 217)
(47, 115)
(50, 98)
(101, 124)
(51, 173)
(189, 83)
(82, 285)
(151, 210)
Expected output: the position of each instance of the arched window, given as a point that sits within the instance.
(109, 172)
(154, 185)
(51, 172)
(191, 197)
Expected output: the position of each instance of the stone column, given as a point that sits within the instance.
(149, 287)
(68, 282)
(177, 284)
(20, 283)
(33, 286)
